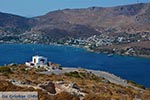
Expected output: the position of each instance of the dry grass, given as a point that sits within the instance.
(95, 89)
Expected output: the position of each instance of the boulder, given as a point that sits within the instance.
(48, 86)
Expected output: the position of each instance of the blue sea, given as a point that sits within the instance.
(130, 68)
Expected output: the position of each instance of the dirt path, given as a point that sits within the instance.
(112, 78)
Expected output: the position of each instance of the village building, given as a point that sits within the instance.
(37, 61)
(40, 61)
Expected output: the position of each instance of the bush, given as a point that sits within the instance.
(23, 69)
(135, 84)
(73, 74)
(140, 86)
(5, 69)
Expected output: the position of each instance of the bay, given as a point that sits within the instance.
(131, 68)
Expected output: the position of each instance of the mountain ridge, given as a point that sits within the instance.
(128, 18)
(120, 18)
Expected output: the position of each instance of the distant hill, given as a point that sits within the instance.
(128, 18)
(13, 24)
(85, 22)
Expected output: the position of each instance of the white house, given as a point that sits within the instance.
(37, 61)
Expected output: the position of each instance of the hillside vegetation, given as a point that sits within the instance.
(78, 85)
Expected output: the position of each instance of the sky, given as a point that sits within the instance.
(31, 8)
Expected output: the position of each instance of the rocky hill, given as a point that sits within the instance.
(13, 24)
(129, 18)
(74, 85)
(87, 21)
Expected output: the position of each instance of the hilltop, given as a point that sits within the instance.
(94, 20)
(129, 18)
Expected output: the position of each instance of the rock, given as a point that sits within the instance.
(74, 85)
(48, 86)
(12, 64)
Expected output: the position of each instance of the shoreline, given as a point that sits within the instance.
(81, 47)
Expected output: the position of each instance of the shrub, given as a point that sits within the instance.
(73, 74)
(135, 84)
(5, 69)
(23, 69)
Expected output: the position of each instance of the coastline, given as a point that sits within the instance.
(85, 48)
